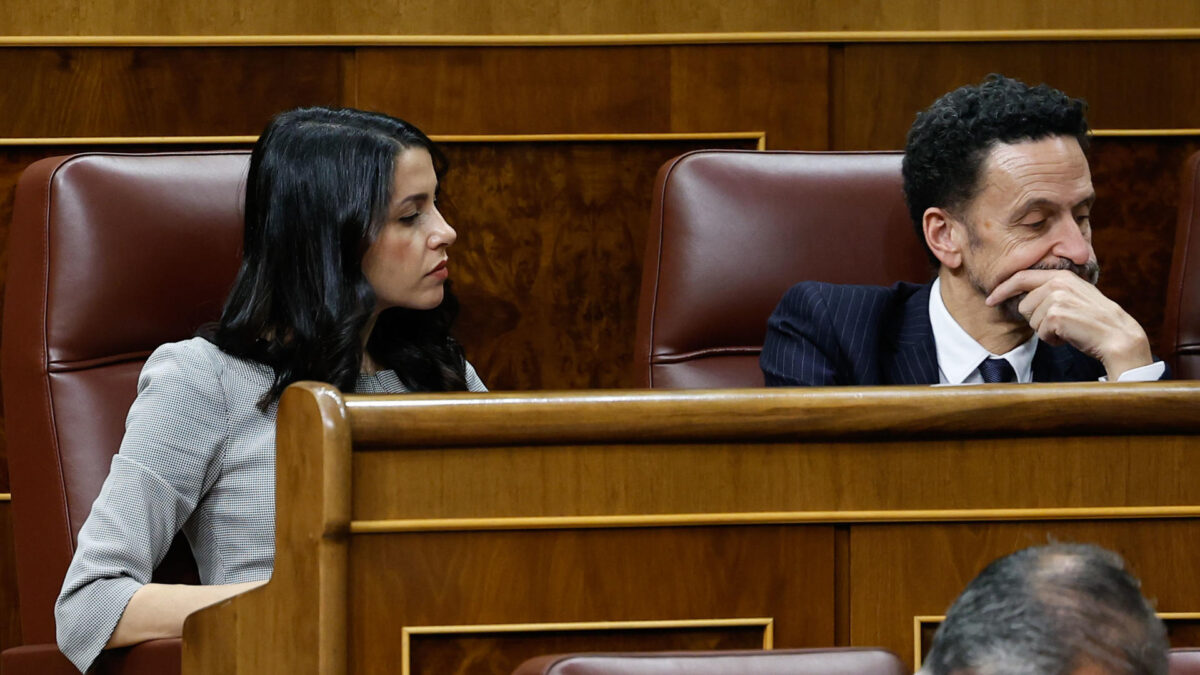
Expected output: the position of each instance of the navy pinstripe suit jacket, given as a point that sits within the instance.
(830, 334)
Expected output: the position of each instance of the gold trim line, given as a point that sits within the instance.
(5, 497)
(384, 526)
(763, 622)
(1123, 133)
(603, 39)
(124, 140)
(759, 136)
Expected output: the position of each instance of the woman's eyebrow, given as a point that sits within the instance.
(419, 196)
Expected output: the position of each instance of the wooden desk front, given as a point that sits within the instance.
(464, 533)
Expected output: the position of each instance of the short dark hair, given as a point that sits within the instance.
(1049, 610)
(317, 195)
(949, 141)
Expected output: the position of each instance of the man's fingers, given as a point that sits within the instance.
(1021, 282)
(1037, 313)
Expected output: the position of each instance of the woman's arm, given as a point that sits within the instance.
(158, 610)
(170, 456)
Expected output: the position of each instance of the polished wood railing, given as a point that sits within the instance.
(461, 533)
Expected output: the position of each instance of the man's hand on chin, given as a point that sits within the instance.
(1062, 307)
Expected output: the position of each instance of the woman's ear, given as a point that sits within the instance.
(943, 236)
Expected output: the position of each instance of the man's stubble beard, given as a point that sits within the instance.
(1089, 272)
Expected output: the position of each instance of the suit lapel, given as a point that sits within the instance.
(914, 356)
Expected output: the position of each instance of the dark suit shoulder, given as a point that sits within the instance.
(823, 333)
(857, 307)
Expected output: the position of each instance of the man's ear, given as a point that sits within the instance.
(942, 237)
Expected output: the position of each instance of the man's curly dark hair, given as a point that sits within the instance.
(949, 141)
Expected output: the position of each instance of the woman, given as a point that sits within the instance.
(344, 280)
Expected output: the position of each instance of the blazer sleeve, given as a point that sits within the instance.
(169, 457)
(801, 347)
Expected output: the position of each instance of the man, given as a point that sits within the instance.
(1051, 610)
(999, 190)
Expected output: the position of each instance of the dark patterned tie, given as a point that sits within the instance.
(997, 370)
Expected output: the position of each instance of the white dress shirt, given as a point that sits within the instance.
(959, 355)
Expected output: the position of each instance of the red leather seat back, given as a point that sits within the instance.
(731, 231)
(110, 256)
(834, 661)
(1180, 344)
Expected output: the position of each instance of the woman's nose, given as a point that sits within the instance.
(443, 234)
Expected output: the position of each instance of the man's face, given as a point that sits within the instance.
(1031, 212)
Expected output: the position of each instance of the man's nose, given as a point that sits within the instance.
(1072, 243)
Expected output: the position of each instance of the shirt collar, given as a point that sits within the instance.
(959, 355)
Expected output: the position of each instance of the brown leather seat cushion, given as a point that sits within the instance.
(833, 661)
(1184, 661)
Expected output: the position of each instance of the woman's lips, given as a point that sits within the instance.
(440, 271)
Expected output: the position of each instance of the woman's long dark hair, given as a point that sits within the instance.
(317, 194)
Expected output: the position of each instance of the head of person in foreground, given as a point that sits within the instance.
(1051, 610)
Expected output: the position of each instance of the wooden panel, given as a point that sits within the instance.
(549, 256)
(498, 653)
(1131, 85)
(10, 620)
(1183, 632)
(521, 90)
(822, 477)
(1137, 187)
(457, 17)
(799, 414)
(780, 89)
(849, 449)
(605, 571)
(902, 571)
(784, 573)
(160, 92)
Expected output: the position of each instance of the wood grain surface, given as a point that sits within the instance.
(1137, 192)
(1127, 85)
(549, 256)
(779, 89)
(786, 572)
(798, 413)
(902, 571)
(782, 573)
(551, 17)
(756, 478)
(160, 92)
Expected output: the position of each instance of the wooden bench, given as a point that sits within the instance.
(464, 533)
